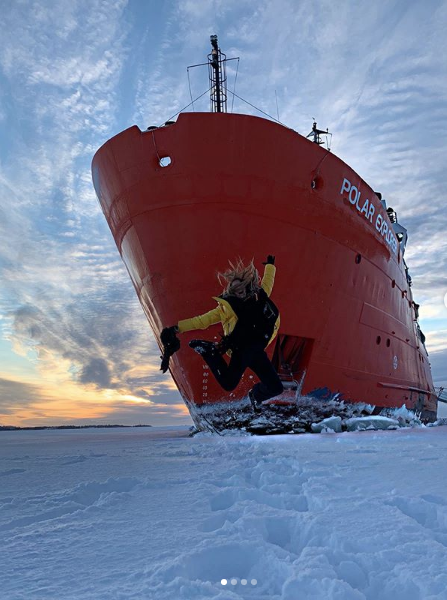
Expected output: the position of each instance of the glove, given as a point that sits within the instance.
(171, 344)
(165, 362)
(168, 335)
(270, 260)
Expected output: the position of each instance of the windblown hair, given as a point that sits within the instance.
(240, 280)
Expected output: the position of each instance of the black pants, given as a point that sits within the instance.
(255, 358)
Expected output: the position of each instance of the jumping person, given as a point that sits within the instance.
(250, 322)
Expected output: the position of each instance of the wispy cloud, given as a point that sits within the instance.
(59, 266)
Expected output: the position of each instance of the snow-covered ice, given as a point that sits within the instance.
(152, 514)
(329, 424)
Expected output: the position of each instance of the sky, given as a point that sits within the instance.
(74, 344)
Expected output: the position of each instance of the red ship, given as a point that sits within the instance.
(184, 198)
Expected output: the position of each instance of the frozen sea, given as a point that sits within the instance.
(152, 514)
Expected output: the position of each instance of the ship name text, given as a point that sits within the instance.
(367, 209)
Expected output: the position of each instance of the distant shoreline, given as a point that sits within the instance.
(40, 427)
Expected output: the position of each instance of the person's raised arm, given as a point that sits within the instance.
(200, 322)
(268, 279)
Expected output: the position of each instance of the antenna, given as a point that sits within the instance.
(277, 109)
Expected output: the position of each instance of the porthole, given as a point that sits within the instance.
(378, 339)
(358, 259)
(317, 183)
(393, 283)
(388, 343)
(165, 161)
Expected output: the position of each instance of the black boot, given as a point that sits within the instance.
(203, 347)
(254, 403)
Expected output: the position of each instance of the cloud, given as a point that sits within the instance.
(97, 372)
(437, 341)
(99, 347)
(68, 301)
(16, 394)
(438, 362)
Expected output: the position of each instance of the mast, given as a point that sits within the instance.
(218, 77)
(316, 135)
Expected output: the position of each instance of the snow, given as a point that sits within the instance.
(154, 514)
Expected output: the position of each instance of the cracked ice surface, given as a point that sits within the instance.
(153, 514)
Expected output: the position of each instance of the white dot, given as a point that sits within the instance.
(223, 581)
(244, 581)
(254, 581)
(233, 581)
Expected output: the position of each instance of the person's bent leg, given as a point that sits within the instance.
(227, 375)
(270, 384)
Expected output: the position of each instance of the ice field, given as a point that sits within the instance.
(105, 514)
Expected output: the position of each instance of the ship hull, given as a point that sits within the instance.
(242, 186)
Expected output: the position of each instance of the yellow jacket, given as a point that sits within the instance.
(223, 313)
